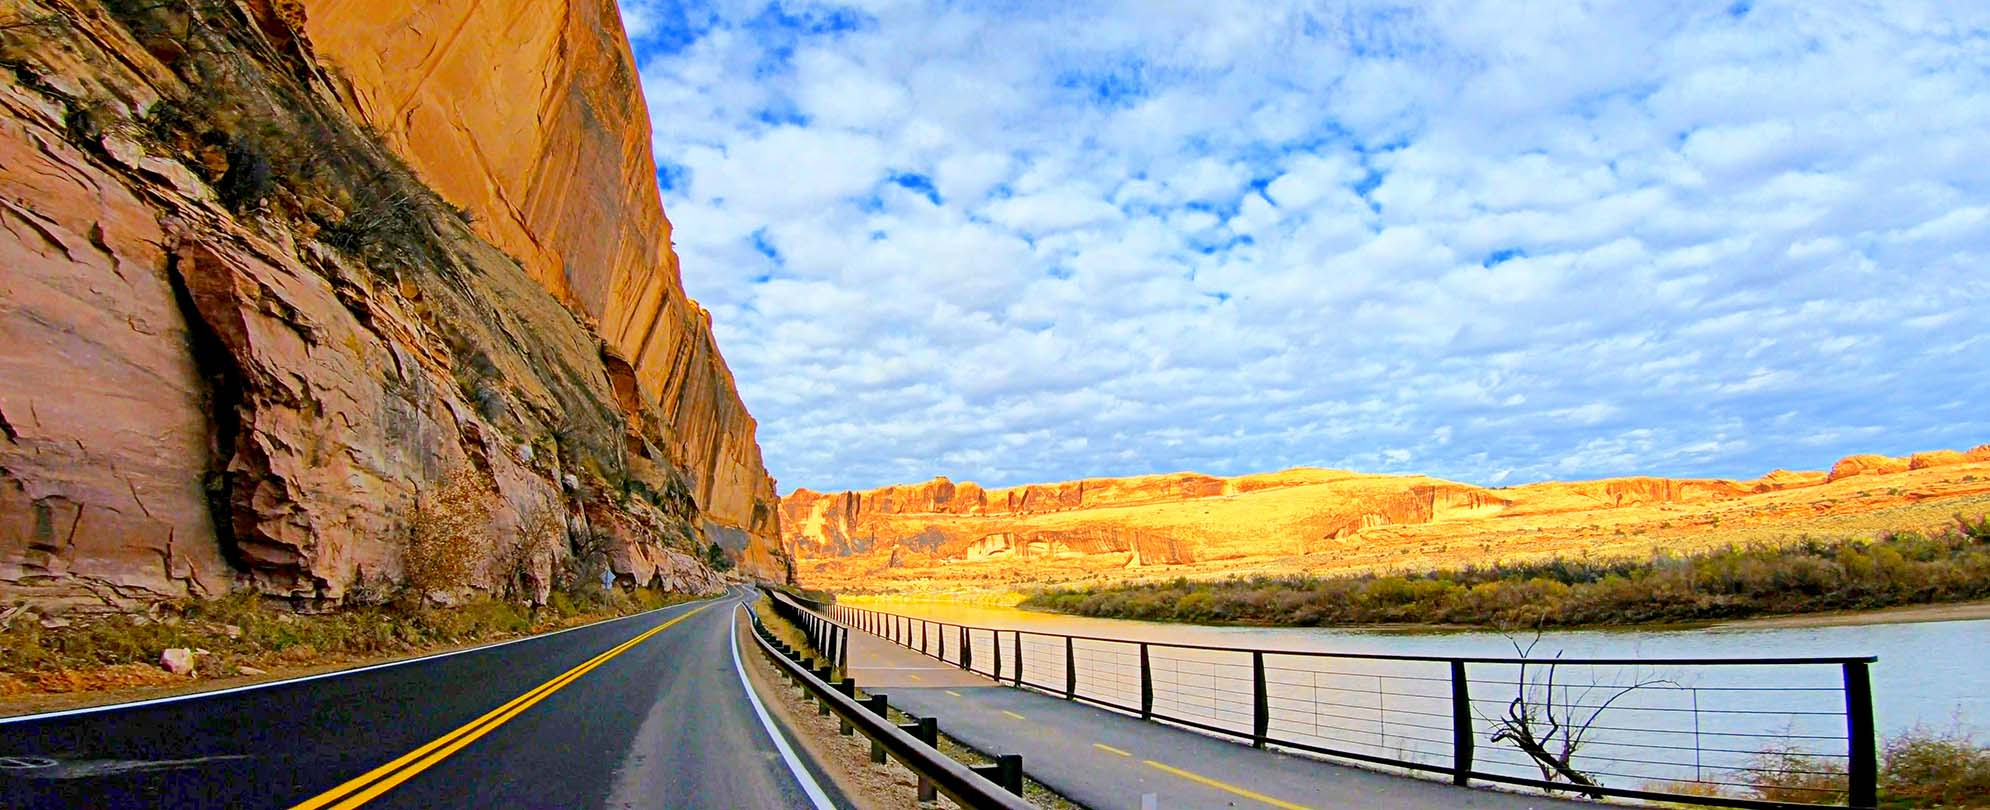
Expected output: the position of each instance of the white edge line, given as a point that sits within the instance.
(807, 780)
(112, 707)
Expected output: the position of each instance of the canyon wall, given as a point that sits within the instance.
(530, 116)
(277, 274)
(940, 535)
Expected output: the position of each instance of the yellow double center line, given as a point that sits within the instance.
(365, 787)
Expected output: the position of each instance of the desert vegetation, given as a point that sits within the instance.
(1735, 581)
(1919, 770)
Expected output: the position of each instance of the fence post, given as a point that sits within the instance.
(966, 650)
(1019, 658)
(922, 634)
(1070, 669)
(1260, 702)
(943, 642)
(877, 704)
(1461, 725)
(1146, 685)
(1863, 762)
(995, 643)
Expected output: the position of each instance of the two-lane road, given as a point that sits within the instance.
(645, 711)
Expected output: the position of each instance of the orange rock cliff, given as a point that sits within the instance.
(274, 269)
(943, 536)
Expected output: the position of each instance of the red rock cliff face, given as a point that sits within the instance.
(530, 115)
(238, 341)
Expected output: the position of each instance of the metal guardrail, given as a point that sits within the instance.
(978, 787)
(1658, 729)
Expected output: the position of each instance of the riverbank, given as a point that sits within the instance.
(1956, 612)
(1834, 581)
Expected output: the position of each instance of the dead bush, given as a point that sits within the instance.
(541, 532)
(448, 536)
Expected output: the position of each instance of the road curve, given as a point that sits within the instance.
(542, 722)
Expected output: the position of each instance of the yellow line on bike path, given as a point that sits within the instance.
(1229, 788)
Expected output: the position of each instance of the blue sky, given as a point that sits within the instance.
(1015, 242)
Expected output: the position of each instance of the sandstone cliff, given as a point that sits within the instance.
(529, 115)
(943, 535)
(242, 334)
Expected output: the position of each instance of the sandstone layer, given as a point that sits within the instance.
(943, 536)
(241, 336)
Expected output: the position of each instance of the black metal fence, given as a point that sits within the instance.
(1701, 731)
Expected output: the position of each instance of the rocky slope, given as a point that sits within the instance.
(940, 535)
(275, 273)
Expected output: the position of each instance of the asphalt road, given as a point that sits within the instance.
(665, 722)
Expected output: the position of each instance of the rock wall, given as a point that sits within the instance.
(530, 116)
(242, 344)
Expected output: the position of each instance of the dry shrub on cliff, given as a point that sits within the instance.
(516, 565)
(448, 536)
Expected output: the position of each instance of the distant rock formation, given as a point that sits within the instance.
(917, 536)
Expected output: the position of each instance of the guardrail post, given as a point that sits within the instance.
(822, 674)
(1146, 685)
(1019, 657)
(966, 651)
(922, 634)
(1070, 669)
(1260, 702)
(1862, 765)
(995, 643)
(1461, 725)
(1006, 771)
(943, 642)
(878, 706)
(925, 730)
(848, 686)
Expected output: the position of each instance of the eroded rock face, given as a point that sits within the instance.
(530, 116)
(943, 536)
(225, 362)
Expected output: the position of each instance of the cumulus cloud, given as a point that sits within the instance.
(1027, 243)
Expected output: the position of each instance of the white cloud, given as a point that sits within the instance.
(1011, 245)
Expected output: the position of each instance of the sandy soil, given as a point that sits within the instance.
(1962, 611)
